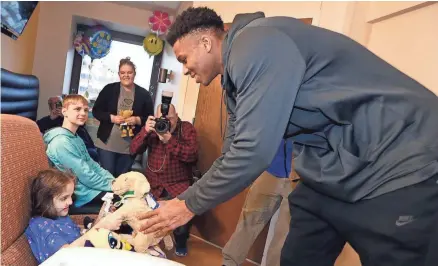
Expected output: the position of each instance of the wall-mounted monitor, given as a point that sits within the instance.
(15, 16)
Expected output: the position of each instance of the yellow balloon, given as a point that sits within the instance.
(153, 45)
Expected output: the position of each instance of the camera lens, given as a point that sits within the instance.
(162, 125)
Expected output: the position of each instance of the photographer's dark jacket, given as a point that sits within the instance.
(361, 128)
(106, 105)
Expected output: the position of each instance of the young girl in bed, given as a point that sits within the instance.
(50, 227)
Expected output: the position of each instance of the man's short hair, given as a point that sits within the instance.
(194, 19)
(52, 101)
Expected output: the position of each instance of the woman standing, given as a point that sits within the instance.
(113, 149)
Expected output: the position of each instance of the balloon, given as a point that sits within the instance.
(100, 40)
(152, 44)
(159, 22)
(81, 45)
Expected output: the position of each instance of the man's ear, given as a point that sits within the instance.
(206, 42)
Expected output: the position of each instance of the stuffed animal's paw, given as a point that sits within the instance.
(168, 242)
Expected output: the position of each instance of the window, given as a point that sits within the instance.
(95, 75)
(88, 78)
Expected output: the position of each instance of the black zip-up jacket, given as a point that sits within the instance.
(106, 105)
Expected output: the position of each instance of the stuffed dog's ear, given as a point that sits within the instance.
(119, 186)
(139, 184)
(141, 187)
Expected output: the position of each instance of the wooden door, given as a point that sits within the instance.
(218, 224)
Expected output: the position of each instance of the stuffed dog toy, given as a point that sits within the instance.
(133, 189)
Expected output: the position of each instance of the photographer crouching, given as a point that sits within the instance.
(172, 152)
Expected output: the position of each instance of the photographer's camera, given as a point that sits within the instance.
(162, 124)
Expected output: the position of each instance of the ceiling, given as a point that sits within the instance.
(166, 6)
(170, 7)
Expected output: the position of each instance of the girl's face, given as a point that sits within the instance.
(63, 201)
(76, 113)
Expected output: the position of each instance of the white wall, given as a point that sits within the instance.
(18, 55)
(169, 62)
(408, 41)
(54, 39)
(227, 10)
(330, 15)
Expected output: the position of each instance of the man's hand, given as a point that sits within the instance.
(150, 124)
(165, 137)
(170, 215)
(117, 119)
(55, 113)
(133, 120)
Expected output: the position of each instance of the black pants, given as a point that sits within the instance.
(181, 233)
(98, 199)
(396, 229)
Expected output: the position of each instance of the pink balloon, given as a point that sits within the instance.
(159, 22)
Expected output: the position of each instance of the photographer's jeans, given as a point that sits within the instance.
(115, 163)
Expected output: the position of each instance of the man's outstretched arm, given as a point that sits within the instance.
(267, 75)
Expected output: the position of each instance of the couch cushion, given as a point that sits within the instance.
(19, 94)
(19, 253)
(23, 156)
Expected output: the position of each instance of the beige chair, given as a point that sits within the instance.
(22, 157)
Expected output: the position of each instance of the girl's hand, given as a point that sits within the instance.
(111, 222)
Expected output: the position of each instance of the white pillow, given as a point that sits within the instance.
(85, 256)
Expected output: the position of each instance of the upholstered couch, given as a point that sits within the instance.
(19, 94)
(23, 156)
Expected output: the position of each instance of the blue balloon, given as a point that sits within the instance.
(100, 42)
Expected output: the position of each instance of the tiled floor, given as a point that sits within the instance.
(201, 254)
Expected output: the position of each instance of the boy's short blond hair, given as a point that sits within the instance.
(73, 98)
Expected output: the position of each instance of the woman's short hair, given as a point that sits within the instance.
(72, 99)
(45, 187)
(126, 61)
